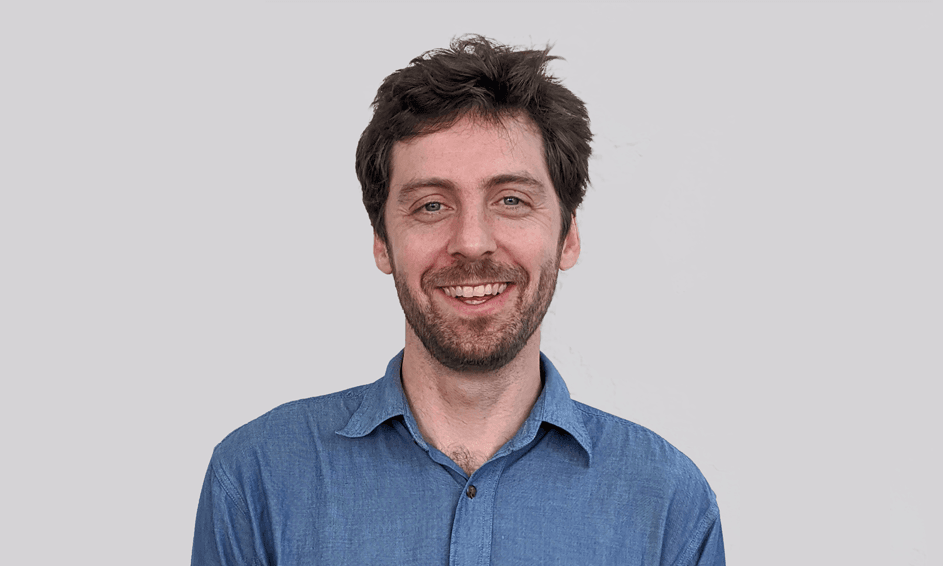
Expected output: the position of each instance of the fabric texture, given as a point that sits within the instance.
(346, 478)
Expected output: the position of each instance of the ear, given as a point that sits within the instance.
(381, 255)
(571, 247)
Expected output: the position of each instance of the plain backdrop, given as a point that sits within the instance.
(184, 248)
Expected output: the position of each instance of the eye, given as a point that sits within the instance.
(432, 207)
(511, 201)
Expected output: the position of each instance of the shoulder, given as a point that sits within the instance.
(294, 427)
(654, 482)
(638, 454)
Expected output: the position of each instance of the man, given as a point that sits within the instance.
(469, 450)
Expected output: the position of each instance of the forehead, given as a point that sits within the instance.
(471, 151)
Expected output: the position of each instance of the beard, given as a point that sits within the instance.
(485, 343)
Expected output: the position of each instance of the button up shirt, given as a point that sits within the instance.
(347, 478)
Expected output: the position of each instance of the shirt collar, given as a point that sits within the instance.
(385, 399)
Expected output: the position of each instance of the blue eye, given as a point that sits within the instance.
(511, 201)
(432, 207)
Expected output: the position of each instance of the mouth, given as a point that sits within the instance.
(475, 294)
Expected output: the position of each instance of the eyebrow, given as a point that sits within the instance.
(514, 179)
(504, 179)
(416, 184)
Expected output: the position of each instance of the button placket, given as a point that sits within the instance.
(474, 515)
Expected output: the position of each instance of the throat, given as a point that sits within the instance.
(466, 460)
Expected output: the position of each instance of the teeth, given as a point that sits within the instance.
(477, 291)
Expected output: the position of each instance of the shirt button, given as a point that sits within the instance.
(471, 491)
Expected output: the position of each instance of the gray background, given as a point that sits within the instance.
(184, 248)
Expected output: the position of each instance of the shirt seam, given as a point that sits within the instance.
(359, 389)
(602, 415)
(230, 490)
(707, 521)
(594, 412)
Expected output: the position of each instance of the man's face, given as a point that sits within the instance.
(473, 227)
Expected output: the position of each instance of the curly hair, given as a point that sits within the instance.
(476, 76)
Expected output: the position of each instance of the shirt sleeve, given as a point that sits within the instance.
(707, 546)
(712, 551)
(224, 533)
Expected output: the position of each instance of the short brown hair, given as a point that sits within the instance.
(476, 76)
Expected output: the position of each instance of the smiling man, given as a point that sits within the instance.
(469, 450)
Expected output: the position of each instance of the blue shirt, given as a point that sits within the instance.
(347, 479)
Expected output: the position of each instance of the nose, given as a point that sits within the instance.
(472, 234)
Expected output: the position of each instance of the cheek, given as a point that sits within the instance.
(532, 249)
(412, 260)
(532, 231)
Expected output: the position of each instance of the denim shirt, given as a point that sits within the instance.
(347, 478)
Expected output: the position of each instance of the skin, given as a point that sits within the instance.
(476, 193)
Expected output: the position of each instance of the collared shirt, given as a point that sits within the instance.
(347, 478)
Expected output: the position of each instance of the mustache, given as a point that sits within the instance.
(481, 270)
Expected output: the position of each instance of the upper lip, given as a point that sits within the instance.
(463, 284)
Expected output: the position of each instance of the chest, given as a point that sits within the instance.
(519, 514)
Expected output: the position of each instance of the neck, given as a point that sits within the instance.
(469, 416)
